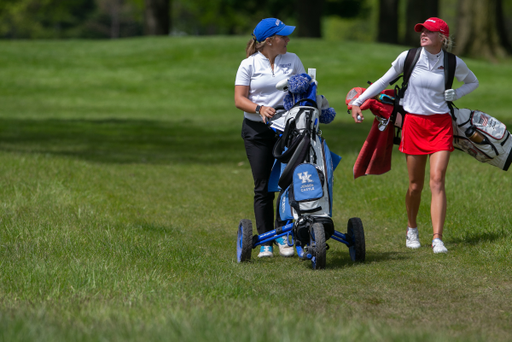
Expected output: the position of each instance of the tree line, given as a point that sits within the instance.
(482, 26)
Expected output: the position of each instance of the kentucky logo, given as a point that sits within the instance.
(305, 177)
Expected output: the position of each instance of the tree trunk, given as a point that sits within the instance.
(115, 18)
(477, 29)
(501, 27)
(417, 12)
(157, 16)
(309, 18)
(388, 22)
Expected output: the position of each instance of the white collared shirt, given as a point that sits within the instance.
(425, 92)
(256, 72)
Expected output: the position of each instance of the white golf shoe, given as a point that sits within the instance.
(284, 249)
(412, 239)
(265, 252)
(438, 246)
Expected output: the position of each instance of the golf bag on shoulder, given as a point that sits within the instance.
(483, 137)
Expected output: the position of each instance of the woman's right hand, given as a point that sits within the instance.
(267, 113)
(357, 114)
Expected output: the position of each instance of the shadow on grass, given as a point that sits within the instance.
(341, 259)
(123, 141)
(474, 238)
(143, 141)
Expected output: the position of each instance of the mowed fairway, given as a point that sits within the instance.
(123, 178)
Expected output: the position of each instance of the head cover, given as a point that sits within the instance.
(435, 25)
(269, 27)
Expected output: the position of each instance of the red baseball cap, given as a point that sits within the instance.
(433, 24)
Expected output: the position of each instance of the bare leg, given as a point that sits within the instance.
(416, 169)
(438, 166)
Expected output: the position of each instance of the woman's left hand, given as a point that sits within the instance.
(449, 95)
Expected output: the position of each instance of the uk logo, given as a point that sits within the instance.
(305, 177)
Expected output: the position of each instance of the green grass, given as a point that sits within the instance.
(123, 178)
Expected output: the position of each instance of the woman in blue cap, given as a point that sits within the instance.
(267, 63)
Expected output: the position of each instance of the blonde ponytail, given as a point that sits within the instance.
(252, 47)
(447, 42)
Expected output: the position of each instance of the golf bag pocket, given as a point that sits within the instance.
(480, 153)
(306, 190)
(483, 137)
(307, 183)
(488, 125)
(284, 210)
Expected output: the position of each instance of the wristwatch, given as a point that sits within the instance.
(258, 107)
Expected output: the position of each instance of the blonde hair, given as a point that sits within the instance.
(447, 42)
(253, 46)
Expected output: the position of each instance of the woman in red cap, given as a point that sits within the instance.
(267, 63)
(427, 128)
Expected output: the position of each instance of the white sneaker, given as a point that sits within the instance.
(438, 246)
(284, 249)
(266, 252)
(412, 239)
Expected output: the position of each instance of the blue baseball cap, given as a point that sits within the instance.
(269, 27)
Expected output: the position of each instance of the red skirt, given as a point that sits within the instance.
(426, 134)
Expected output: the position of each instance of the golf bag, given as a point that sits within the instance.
(482, 137)
(306, 171)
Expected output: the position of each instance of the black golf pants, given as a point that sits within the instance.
(259, 142)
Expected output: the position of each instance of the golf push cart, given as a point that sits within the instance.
(303, 175)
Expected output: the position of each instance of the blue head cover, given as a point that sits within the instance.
(299, 84)
(327, 115)
(301, 87)
(270, 27)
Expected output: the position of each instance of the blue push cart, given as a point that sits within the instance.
(315, 249)
(303, 175)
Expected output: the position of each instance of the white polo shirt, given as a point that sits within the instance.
(256, 72)
(425, 92)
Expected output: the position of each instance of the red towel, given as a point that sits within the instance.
(375, 155)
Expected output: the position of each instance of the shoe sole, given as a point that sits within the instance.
(285, 250)
(265, 255)
(287, 254)
(413, 246)
(439, 252)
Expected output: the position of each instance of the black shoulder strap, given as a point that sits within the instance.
(410, 61)
(450, 64)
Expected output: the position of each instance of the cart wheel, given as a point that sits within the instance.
(318, 245)
(355, 234)
(244, 241)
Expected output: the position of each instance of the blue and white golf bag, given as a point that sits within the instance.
(306, 168)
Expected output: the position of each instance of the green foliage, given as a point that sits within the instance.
(42, 18)
(35, 19)
(240, 17)
(101, 18)
(124, 178)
